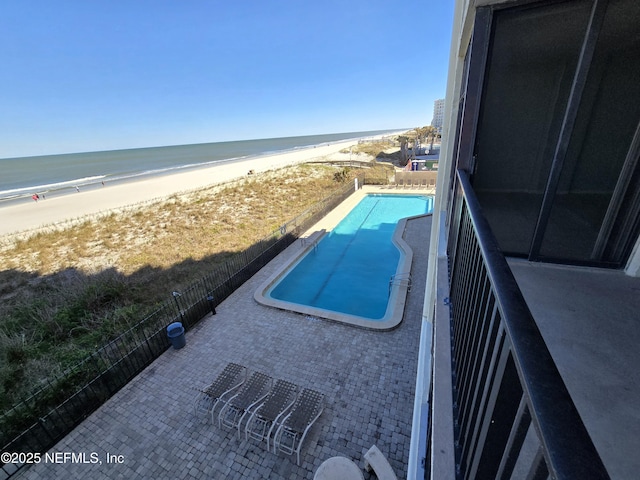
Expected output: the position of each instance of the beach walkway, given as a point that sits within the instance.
(368, 379)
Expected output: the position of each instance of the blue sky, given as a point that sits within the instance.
(101, 75)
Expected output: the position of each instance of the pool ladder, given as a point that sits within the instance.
(400, 279)
(305, 241)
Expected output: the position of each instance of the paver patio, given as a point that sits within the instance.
(368, 379)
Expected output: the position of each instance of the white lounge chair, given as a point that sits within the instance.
(266, 416)
(295, 426)
(252, 392)
(222, 387)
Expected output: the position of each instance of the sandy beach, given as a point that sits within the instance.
(55, 210)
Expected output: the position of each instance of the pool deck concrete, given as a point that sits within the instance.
(368, 379)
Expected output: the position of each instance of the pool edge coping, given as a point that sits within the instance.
(397, 298)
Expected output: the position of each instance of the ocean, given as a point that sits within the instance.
(22, 177)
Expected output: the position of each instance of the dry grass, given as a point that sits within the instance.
(382, 152)
(193, 225)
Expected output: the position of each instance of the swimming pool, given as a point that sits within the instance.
(346, 274)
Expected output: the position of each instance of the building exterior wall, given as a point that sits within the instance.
(464, 15)
(445, 463)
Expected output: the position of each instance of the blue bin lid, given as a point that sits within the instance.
(174, 325)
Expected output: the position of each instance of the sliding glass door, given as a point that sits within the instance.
(555, 159)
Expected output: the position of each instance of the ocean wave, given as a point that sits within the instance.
(18, 192)
(172, 169)
(23, 192)
(119, 166)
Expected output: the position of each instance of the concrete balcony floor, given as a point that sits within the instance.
(590, 321)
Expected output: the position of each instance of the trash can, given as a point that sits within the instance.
(175, 332)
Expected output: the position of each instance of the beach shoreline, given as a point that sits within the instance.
(55, 211)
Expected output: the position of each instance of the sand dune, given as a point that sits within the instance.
(55, 210)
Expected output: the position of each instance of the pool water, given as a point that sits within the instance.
(350, 269)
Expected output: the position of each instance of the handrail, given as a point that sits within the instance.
(497, 345)
(400, 279)
(305, 241)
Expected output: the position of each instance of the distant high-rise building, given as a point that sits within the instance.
(438, 114)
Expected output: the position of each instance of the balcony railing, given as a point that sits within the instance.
(513, 415)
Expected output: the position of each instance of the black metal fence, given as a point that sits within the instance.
(514, 417)
(38, 422)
